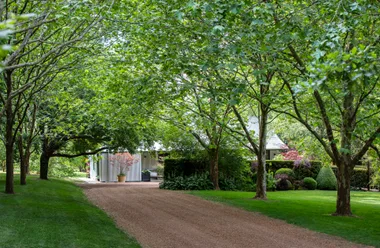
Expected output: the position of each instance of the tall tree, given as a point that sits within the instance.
(329, 53)
(38, 44)
(26, 139)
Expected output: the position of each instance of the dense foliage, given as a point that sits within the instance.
(301, 168)
(79, 77)
(235, 172)
(360, 178)
(284, 173)
(194, 182)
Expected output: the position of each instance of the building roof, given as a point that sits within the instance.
(273, 141)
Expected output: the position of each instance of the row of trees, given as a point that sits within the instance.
(56, 91)
(82, 76)
(221, 61)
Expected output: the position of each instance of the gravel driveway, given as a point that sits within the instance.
(161, 218)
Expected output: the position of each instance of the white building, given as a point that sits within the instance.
(103, 170)
(274, 144)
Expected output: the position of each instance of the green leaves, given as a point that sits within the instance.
(218, 29)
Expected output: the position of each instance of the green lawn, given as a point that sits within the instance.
(312, 209)
(55, 213)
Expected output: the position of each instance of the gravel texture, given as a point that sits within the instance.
(161, 218)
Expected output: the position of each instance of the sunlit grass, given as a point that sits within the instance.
(55, 213)
(312, 210)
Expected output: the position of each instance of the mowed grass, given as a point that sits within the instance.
(55, 213)
(312, 210)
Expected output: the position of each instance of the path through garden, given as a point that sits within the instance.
(161, 218)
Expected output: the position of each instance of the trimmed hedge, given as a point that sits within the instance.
(300, 171)
(326, 179)
(184, 168)
(195, 182)
(309, 183)
(234, 171)
(359, 176)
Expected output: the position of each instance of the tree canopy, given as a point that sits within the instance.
(82, 76)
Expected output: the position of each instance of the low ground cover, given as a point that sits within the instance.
(55, 213)
(312, 209)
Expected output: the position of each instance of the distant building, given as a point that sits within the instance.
(274, 144)
(101, 168)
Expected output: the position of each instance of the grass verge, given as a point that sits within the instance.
(312, 209)
(55, 213)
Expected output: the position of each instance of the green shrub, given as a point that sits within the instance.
(285, 171)
(271, 182)
(160, 170)
(326, 179)
(309, 183)
(359, 178)
(284, 184)
(306, 169)
(273, 165)
(228, 184)
(301, 168)
(184, 167)
(195, 182)
(297, 184)
(234, 171)
(62, 167)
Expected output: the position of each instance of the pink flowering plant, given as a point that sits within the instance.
(122, 160)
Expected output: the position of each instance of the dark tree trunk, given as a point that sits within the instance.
(24, 166)
(27, 164)
(368, 175)
(27, 167)
(22, 172)
(214, 168)
(22, 160)
(44, 165)
(343, 205)
(9, 141)
(9, 168)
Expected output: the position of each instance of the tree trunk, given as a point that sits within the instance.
(24, 167)
(22, 172)
(9, 165)
(261, 185)
(344, 161)
(368, 175)
(214, 168)
(27, 163)
(44, 165)
(9, 141)
(343, 205)
(27, 167)
(22, 160)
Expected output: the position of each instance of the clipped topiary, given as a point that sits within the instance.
(285, 171)
(284, 184)
(309, 183)
(326, 179)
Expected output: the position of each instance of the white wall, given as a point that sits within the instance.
(108, 172)
(134, 173)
